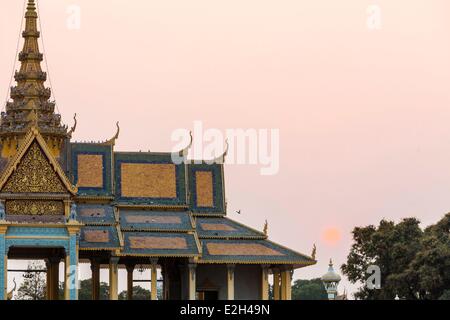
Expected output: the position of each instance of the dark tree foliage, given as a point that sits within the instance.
(309, 290)
(139, 293)
(85, 291)
(414, 264)
(34, 284)
(306, 290)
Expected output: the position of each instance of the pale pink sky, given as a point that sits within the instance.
(363, 115)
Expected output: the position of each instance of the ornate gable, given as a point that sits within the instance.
(34, 174)
(34, 170)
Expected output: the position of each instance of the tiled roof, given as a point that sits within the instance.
(146, 220)
(250, 251)
(206, 189)
(97, 214)
(91, 168)
(149, 179)
(160, 244)
(99, 238)
(225, 228)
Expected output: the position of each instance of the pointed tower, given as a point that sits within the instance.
(30, 104)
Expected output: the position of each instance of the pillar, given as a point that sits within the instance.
(3, 264)
(54, 275)
(72, 266)
(230, 281)
(67, 277)
(130, 270)
(95, 269)
(48, 284)
(192, 267)
(286, 280)
(164, 277)
(264, 282)
(154, 289)
(113, 278)
(276, 284)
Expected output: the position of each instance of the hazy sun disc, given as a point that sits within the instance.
(331, 236)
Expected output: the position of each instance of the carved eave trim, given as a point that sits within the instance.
(34, 196)
(150, 206)
(161, 255)
(295, 264)
(37, 224)
(28, 140)
(94, 198)
(143, 229)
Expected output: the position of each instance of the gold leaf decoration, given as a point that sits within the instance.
(34, 174)
(34, 207)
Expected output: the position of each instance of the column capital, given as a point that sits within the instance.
(230, 268)
(192, 266)
(73, 227)
(130, 267)
(154, 261)
(275, 269)
(3, 229)
(54, 260)
(114, 260)
(286, 268)
(95, 260)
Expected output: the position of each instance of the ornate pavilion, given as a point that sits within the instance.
(88, 203)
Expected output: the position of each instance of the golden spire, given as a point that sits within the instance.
(314, 251)
(29, 104)
(266, 228)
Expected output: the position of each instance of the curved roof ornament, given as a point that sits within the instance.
(72, 130)
(221, 159)
(185, 151)
(112, 141)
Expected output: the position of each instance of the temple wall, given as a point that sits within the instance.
(247, 282)
(213, 275)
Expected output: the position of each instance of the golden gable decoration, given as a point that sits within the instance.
(33, 169)
(34, 207)
(34, 174)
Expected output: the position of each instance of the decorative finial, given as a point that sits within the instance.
(183, 153)
(266, 228)
(72, 130)
(331, 263)
(112, 141)
(220, 159)
(314, 250)
(31, 5)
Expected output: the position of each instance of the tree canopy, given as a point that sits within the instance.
(139, 293)
(33, 286)
(414, 263)
(85, 291)
(306, 290)
(309, 290)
